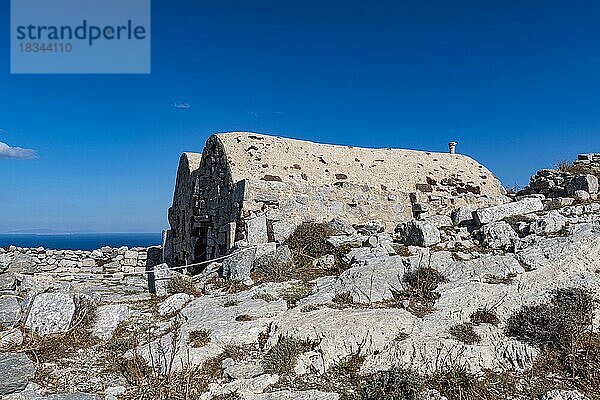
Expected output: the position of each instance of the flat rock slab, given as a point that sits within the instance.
(51, 313)
(497, 213)
(10, 311)
(16, 370)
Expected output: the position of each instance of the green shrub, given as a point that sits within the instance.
(296, 293)
(264, 296)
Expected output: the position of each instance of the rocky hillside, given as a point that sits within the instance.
(492, 303)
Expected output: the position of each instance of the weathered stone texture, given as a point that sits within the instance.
(253, 188)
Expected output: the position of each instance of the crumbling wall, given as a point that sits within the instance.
(178, 244)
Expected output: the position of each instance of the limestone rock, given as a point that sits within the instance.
(342, 227)
(107, 319)
(550, 223)
(462, 216)
(8, 282)
(289, 395)
(499, 236)
(11, 337)
(418, 233)
(50, 313)
(239, 265)
(10, 310)
(563, 395)
(174, 303)
(16, 370)
(497, 213)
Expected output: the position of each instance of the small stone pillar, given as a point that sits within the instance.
(452, 147)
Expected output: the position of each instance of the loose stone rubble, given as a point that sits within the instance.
(265, 323)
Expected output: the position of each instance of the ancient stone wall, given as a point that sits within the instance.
(256, 188)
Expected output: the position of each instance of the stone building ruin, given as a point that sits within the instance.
(253, 188)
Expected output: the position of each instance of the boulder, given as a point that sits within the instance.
(239, 265)
(107, 319)
(16, 370)
(342, 227)
(418, 233)
(581, 195)
(497, 213)
(51, 313)
(499, 236)
(588, 183)
(256, 230)
(550, 223)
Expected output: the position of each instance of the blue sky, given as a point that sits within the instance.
(517, 84)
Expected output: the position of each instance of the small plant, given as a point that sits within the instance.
(396, 383)
(231, 303)
(199, 338)
(230, 285)
(343, 298)
(556, 324)
(456, 382)
(500, 280)
(281, 358)
(422, 282)
(244, 318)
(182, 284)
(264, 296)
(484, 316)
(309, 307)
(309, 243)
(465, 333)
(296, 293)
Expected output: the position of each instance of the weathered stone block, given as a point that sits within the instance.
(16, 370)
(50, 313)
(418, 233)
(497, 213)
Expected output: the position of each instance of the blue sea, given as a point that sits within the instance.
(81, 241)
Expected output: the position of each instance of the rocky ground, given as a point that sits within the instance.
(495, 303)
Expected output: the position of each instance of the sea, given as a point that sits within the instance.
(81, 241)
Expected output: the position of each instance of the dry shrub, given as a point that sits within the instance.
(308, 243)
(484, 316)
(465, 333)
(182, 284)
(419, 285)
(457, 383)
(199, 338)
(281, 358)
(392, 384)
(343, 298)
(556, 324)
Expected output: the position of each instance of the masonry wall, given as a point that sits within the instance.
(255, 188)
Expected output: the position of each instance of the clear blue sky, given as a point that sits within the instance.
(517, 84)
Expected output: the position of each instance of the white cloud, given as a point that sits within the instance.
(181, 106)
(7, 153)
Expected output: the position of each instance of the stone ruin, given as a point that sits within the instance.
(250, 189)
(578, 179)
